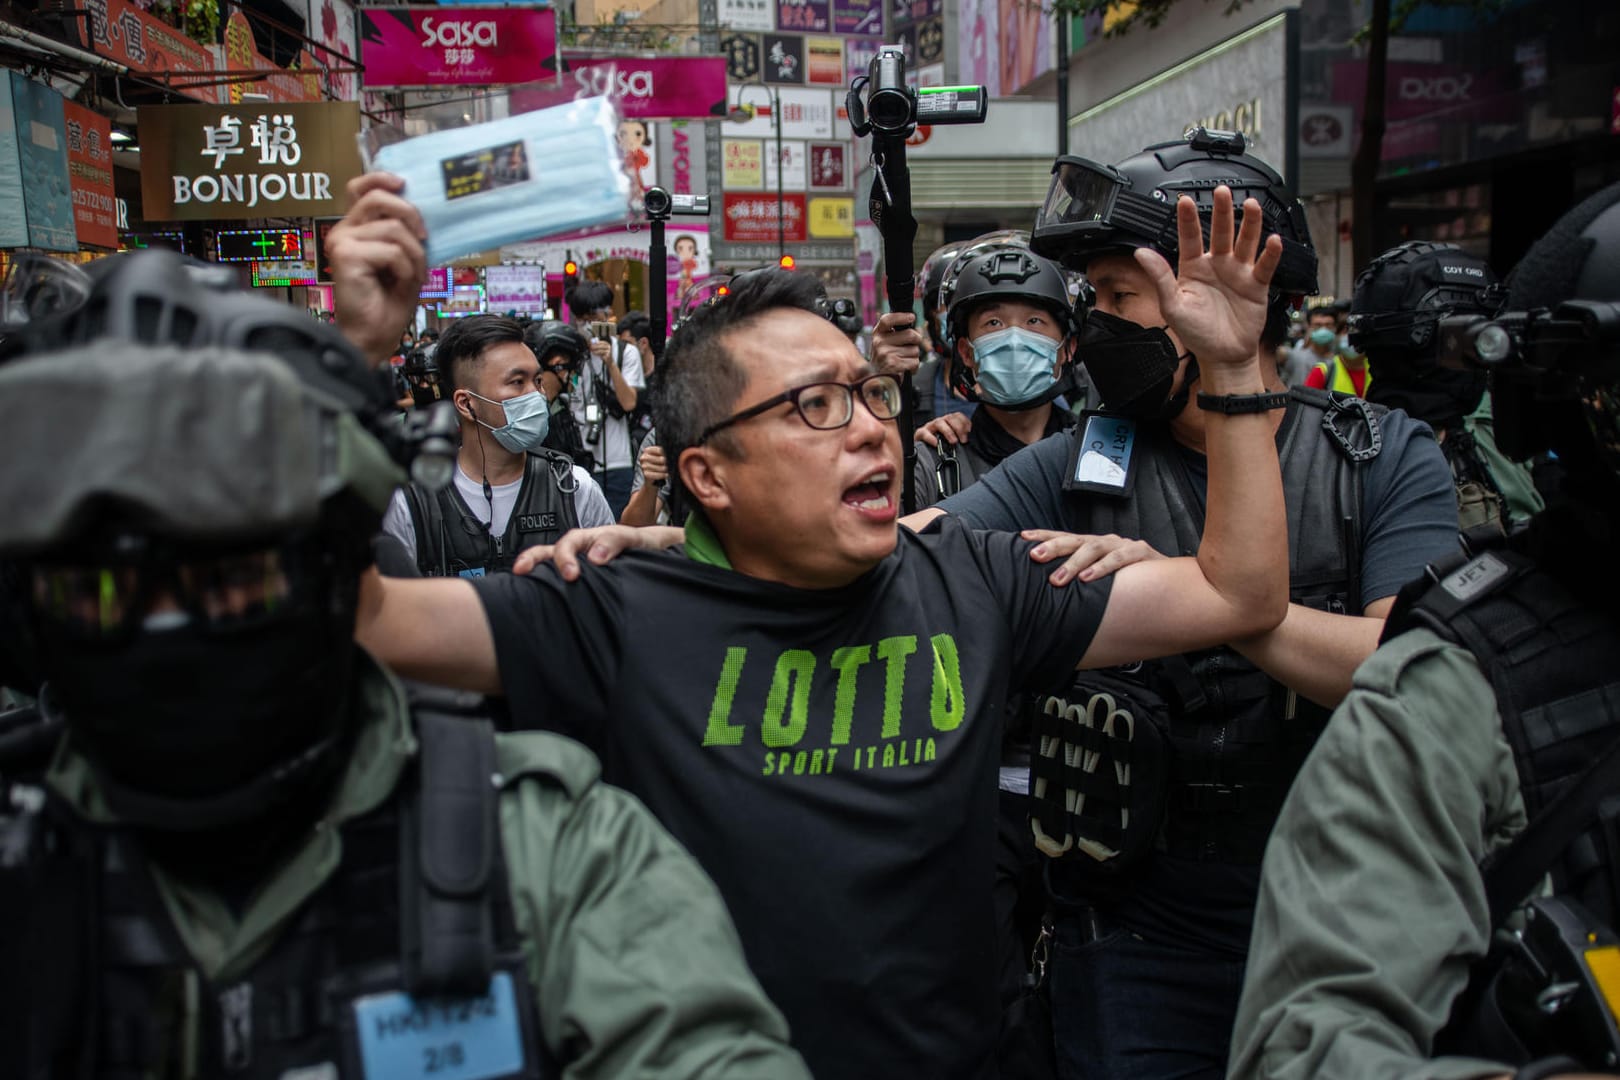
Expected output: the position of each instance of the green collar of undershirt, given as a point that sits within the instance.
(702, 546)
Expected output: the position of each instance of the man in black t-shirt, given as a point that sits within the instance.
(809, 698)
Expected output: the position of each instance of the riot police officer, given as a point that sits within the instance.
(561, 350)
(1189, 758)
(508, 491)
(1395, 315)
(250, 856)
(1476, 757)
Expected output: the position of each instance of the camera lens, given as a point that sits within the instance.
(1493, 344)
(656, 201)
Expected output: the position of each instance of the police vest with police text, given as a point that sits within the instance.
(407, 962)
(452, 540)
(1237, 736)
(1550, 658)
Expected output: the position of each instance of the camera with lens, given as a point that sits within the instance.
(1544, 340)
(891, 107)
(660, 204)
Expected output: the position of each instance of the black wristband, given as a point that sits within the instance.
(1233, 404)
(1542, 1068)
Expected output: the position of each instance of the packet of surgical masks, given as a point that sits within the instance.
(527, 176)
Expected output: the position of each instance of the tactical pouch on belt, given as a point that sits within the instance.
(1099, 772)
(450, 833)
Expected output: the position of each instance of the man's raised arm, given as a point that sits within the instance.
(430, 629)
(1238, 584)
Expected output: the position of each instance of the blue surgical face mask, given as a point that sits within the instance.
(538, 173)
(1347, 350)
(1321, 336)
(1014, 366)
(528, 419)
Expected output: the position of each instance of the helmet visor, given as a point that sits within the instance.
(38, 287)
(1082, 192)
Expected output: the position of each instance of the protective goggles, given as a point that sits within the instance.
(1090, 204)
(108, 594)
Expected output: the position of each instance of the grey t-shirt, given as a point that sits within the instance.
(1409, 514)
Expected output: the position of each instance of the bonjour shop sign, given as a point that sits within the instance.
(211, 162)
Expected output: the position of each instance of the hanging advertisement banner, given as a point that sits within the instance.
(858, 17)
(754, 218)
(742, 164)
(331, 24)
(794, 166)
(784, 59)
(122, 32)
(812, 16)
(204, 162)
(519, 289)
(89, 155)
(806, 113)
(241, 54)
(742, 54)
(828, 166)
(832, 219)
(465, 46)
(649, 88)
(36, 201)
(824, 61)
(748, 14)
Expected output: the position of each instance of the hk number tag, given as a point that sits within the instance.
(1104, 456)
(402, 1038)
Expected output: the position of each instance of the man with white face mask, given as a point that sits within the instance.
(1010, 322)
(509, 491)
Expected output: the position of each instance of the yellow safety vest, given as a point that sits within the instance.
(1338, 379)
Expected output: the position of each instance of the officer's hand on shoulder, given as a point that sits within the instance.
(896, 344)
(1086, 557)
(951, 429)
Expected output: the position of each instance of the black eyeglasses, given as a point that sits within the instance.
(826, 406)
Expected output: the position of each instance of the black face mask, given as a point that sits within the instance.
(1438, 396)
(180, 717)
(1133, 367)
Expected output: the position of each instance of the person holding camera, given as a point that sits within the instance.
(1439, 897)
(610, 387)
(508, 491)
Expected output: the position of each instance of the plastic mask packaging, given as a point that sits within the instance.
(537, 173)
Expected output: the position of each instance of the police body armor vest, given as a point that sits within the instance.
(451, 540)
(403, 960)
(1234, 737)
(1551, 661)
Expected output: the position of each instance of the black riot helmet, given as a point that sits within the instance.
(1554, 351)
(190, 563)
(1403, 294)
(559, 338)
(1093, 209)
(1395, 316)
(929, 279)
(1009, 275)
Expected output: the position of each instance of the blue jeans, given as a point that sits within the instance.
(616, 486)
(1125, 1008)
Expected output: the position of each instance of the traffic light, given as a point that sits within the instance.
(570, 275)
(785, 262)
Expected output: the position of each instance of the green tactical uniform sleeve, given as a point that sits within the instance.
(1517, 484)
(637, 967)
(1371, 907)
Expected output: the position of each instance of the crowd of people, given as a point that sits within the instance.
(1235, 699)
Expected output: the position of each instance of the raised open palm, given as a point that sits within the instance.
(1216, 300)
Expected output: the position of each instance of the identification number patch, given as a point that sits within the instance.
(476, 571)
(1105, 455)
(477, 1038)
(485, 170)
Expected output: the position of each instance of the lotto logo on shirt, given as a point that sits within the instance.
(798, 743)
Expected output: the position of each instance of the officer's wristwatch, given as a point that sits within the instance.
(1235, 404)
